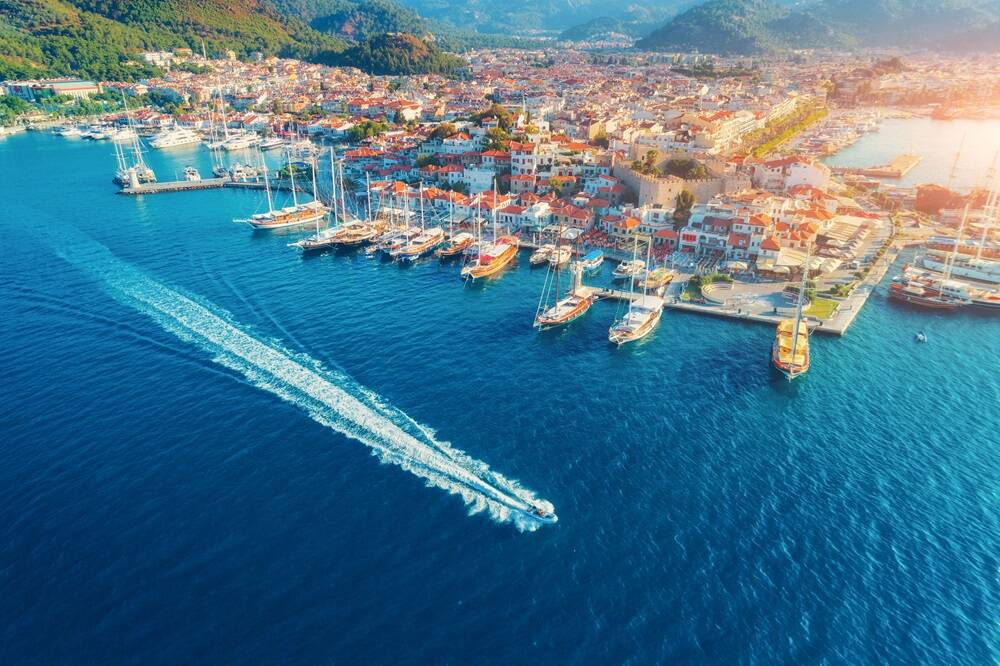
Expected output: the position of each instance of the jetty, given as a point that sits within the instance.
(174, 186)
(203, 184)
(898, 168)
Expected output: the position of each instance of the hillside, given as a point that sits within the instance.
(397, 54)
(100, 38)
(755, 26)
(359, 20)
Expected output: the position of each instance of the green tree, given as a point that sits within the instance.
(682, 208)
(496, 139)
(443, 131)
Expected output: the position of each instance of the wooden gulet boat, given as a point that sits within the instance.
(291, 216)
(493, 257)
(570, 307)
(790, 349)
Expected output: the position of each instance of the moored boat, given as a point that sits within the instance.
(560, 256)
(456, 245)
(628, 269)
(642, 317)
(592, 262)
(790, 349)
(644, 312)
(657, 278)
(541, 255)
(492, 258)
(422, 245)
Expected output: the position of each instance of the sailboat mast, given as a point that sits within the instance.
(802, 297)
(494, 210)
(333, 187)
(267, 182)
(421, 206)
(558, 260)
(343, 203)
(991, 206)
(368, 192)
(950, 261)
(291, 175)
(631, 279)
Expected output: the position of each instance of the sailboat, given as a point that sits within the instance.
(290, 216)
(643, 313)
(425, 243)
(790, 349)
(457, 243)
(492, 257)
(563, 310)
(932, 294)
(137, 173)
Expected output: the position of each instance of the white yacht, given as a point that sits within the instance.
(272, 142)
(174, 137)
(241, 141)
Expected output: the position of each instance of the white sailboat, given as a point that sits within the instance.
(643, 312)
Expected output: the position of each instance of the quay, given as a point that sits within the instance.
(837, 324)
(898, 168)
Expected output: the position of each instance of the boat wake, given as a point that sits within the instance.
(328, 396)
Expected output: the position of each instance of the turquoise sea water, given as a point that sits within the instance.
(190, 412)
(937, 142)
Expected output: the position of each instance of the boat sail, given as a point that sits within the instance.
(790, 349)
(643, 313)
(570, 307)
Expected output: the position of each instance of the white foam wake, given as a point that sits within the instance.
(328, 396)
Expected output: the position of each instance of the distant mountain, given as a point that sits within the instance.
(550, 15)
(755, 26)
(609, 27)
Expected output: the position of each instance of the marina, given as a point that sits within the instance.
(394, 464)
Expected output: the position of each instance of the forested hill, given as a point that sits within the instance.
(100, 39)
(397, 53)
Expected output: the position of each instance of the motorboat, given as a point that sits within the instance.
(628, 269)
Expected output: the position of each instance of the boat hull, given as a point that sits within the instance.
(497, 264)
(621, 337)
(544, 322)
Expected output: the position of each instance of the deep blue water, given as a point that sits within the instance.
(161, 503)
